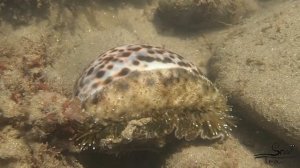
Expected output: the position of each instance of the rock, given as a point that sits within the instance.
(203, 13)
(258, 65)
(8, 108)
(229, 154)
(45, 111)
(239, 150)
(13, 150)
(46, 103)
(16, 151)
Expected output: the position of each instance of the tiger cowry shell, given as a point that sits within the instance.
(136, 95)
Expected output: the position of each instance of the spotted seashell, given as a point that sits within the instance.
(137, 95)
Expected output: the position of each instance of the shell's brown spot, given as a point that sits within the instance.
(150, 51)
(90, 71)
(101, 56)
(100, 74)
(110, 66)
(135, 49)
(100, 61)
(107, 81)
(181, 63)
(158, 59)
(95, 85)
(114, 50)
(121, 50)
(167, 60)
(145, 58)
(107, 59)
(124, 72)
(180, 57)
(135, 62)
(172, 56)
(159, 51)
(115, 59)
(101, 66)
(125, 54)
(171, 52)
(188, 65)
(146, 46)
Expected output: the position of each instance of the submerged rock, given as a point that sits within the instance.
(228, 154)
(263, 78)
(203, 13)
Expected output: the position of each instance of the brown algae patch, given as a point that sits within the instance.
(134, 96)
